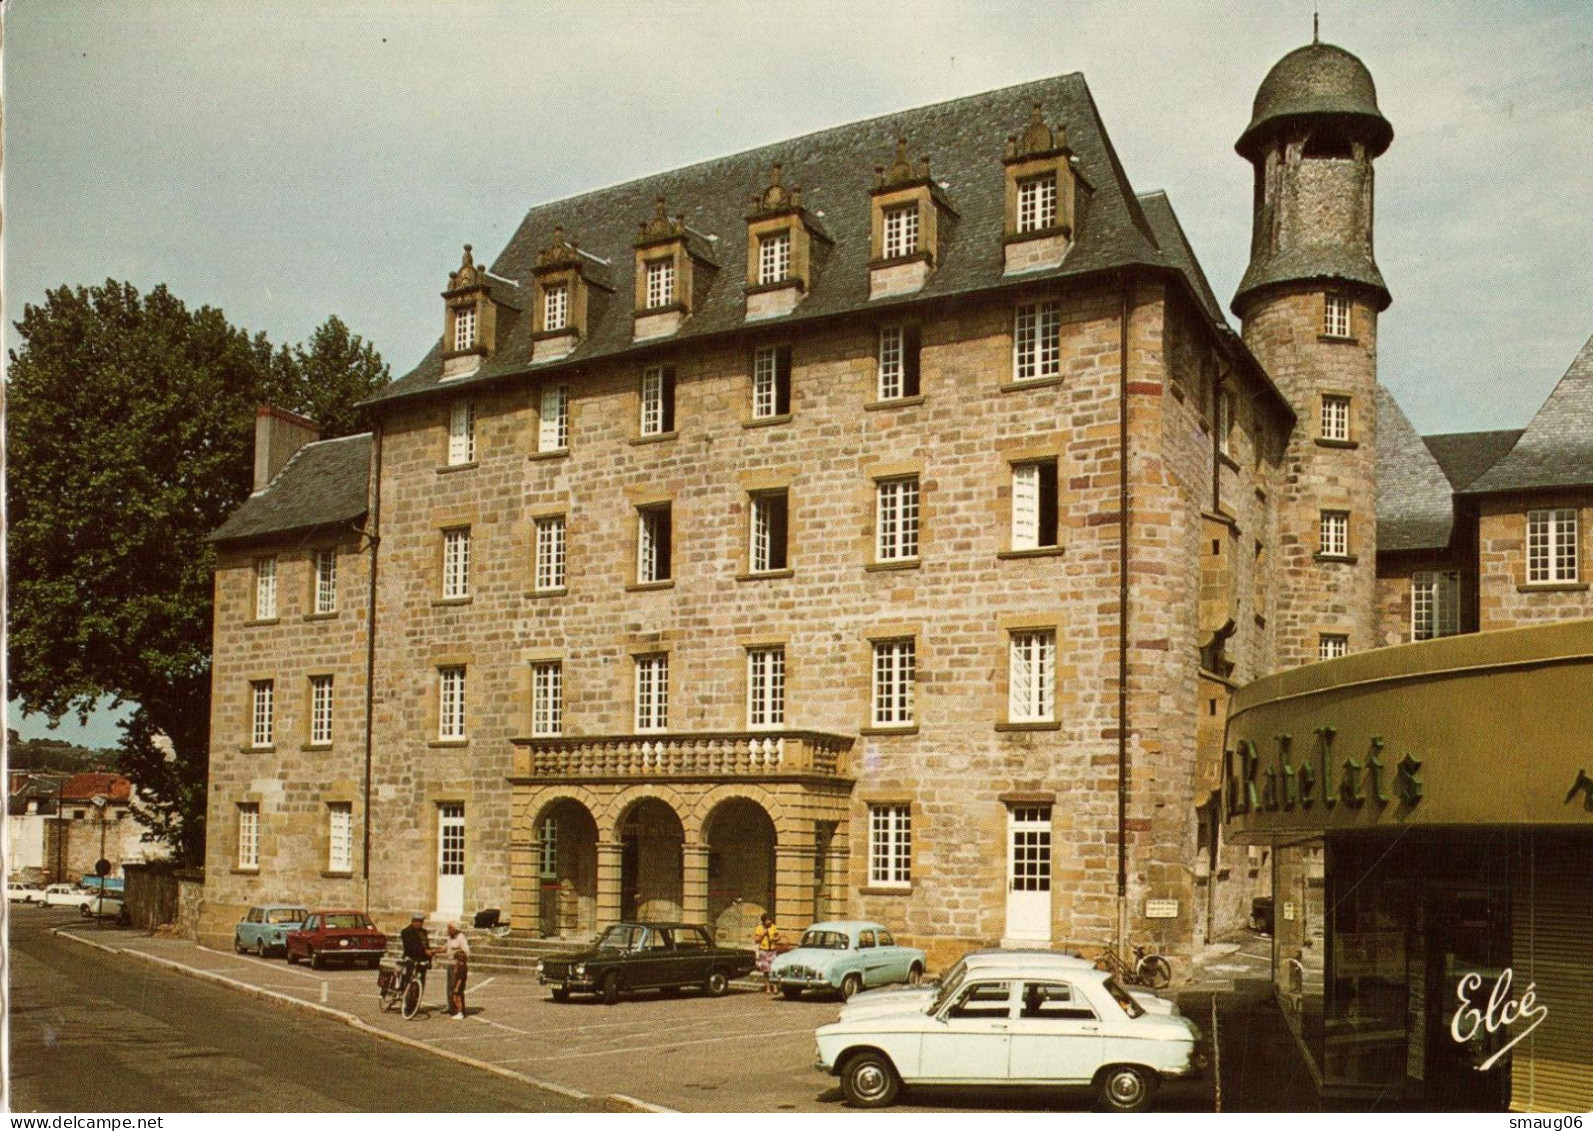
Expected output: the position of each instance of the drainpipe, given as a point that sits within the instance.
(374, 536)
(1122, 618)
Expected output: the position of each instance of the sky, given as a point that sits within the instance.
(285, 161)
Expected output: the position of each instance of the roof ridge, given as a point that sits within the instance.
(791, 138)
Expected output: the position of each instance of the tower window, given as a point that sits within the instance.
(1335, 534)
(1434, 604)
(1329, 142)
(1332, 646)
(1335, 417)
(1336, 317)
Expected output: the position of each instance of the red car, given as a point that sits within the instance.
(347, 936)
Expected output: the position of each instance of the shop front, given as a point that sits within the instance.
(1430, 811)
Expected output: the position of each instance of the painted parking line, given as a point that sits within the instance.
(632, 1050)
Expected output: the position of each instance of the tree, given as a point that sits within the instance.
(131, 438)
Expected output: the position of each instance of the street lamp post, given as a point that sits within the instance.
(100, 801)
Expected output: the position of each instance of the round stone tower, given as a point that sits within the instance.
(1309, 304)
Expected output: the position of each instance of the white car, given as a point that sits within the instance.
(1021, 1023)
(892, 999)
(65, 895)
(22, 891)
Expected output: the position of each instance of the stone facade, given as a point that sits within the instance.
(519, 760)
(1506, 596)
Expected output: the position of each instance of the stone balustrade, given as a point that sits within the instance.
(700, 755)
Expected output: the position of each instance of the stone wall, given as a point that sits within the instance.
(1505, 599)
(1316, 596)
(961, 765)
(292, 782)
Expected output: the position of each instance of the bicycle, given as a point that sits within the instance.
(402, 985)
(1147, 969)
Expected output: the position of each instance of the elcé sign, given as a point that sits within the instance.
(1502, 1010)
(1318, 777)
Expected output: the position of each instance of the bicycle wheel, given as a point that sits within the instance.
(1154, 971)
(411, 999)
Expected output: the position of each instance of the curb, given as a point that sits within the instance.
(613, 1102)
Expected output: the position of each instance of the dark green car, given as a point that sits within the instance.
(647, 956)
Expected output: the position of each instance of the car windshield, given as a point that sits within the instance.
(620, 938)
(948, 987)
(824, 940)
(1124, 998)
(286, 915)
(349, 919)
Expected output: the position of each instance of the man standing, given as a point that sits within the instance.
(417, 947)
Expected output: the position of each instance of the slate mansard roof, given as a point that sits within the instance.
(325, 484)
(1556, 450)
(1415, 502)
(964, 140)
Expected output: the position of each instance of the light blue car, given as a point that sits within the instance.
(846, 955)
(265, 928)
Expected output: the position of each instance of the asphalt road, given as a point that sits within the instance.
(158, 1041)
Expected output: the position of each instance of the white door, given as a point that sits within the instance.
(970, 1038)
(1056, 1037)
(1028, 873)
(450, 860)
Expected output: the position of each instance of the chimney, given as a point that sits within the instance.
(278, 433)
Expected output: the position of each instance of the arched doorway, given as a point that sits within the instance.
(651, 867)
(566, 838)
(741, 885)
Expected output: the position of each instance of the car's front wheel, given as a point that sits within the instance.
(717, 984)
(869, 1080)
(85, 912)
(790, 993)
(259, 948)
(915, 975)
(1127, 1087)
(611, 987)
(237, 945)
(850, 985)
(315, 959)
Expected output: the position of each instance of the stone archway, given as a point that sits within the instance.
(652, 878)
(566, 869)
(740, 837)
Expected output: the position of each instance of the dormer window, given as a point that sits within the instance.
(908, 209)
(660, 283)
(464, 328)
(556, 307)
(1043, 196)
(782, 240)
(470, 333)
(673, 265)
(774, 258)
(901, 231)
(567, 281)
(1037, 203)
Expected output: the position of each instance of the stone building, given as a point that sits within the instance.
(872, 523)
(59, 825)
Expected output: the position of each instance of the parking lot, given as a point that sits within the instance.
(742, 1052)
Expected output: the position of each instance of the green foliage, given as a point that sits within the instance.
(131, 438)
(55, 754)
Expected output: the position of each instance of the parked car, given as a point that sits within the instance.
(95, 906)
(65, 895)
(893, 999)
(1017, 1023)
(24, 891)
(344, 936)
(264, 929)
(844, 956)
(641, 956)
